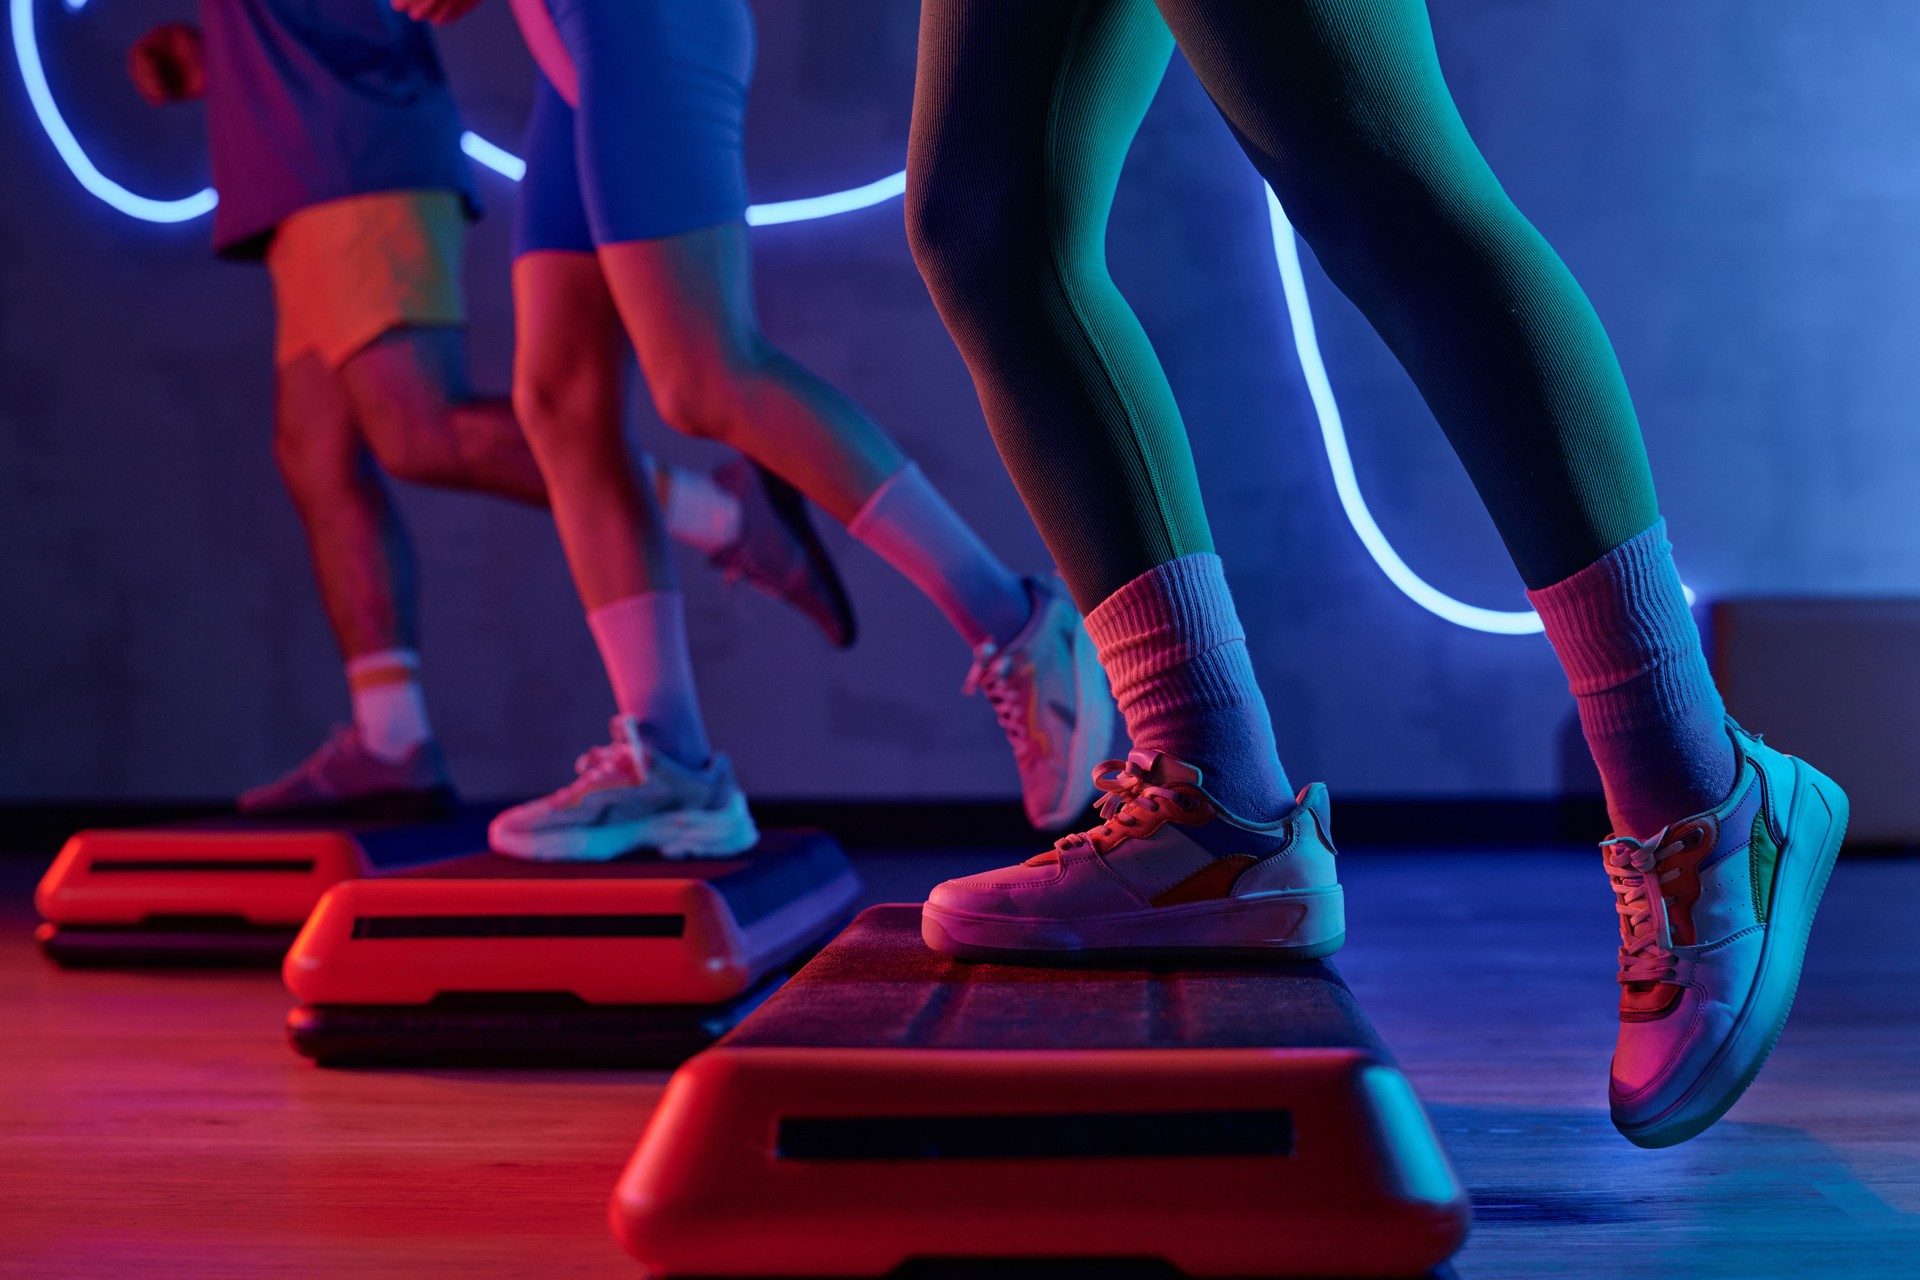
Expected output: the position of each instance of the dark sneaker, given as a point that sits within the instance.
(1168, 872)
(343, 780)
(1714, 917)
(778, 551)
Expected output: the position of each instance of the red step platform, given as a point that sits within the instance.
(893, 1112)
(637, 962)
(225, 891)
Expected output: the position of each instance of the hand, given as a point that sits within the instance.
(165, 64)
(440, 12)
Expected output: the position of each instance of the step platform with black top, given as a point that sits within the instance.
(228, 891)
(638, 962)
(894, 1112)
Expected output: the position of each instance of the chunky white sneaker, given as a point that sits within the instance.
(1714, 916)
(1050, 695)
(1168, 871)
(629, 797)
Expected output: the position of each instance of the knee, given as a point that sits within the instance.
(953, 238)
(982, 259)
(558, 410)
(707, 394)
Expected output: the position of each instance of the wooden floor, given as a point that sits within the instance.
(156, 1125)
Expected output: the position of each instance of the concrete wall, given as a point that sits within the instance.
(1734, 182)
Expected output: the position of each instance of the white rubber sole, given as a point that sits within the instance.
(1303, 924)
(1800, 878)
(1093, 717)
(679, 833)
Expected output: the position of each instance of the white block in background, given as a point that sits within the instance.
(1836, 681)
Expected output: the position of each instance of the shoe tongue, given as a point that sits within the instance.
(1162, 769)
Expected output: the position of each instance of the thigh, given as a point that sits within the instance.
(550, 214)
(1331, 92)
(686, 303)
(403, 384)
(661, 120)
(1025, 111)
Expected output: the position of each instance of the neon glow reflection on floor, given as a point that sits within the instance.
(1306, 342)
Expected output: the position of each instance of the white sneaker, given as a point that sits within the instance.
(1051, 698)
(1714, 917)
(629, 797)
(1168, 871)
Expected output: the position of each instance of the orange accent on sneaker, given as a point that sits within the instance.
(1679, 873)
(1209, 883)
(1648, 1001)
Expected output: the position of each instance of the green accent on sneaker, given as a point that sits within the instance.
(1764, 855)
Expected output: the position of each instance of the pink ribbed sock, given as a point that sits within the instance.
(909, 525)
(1176, 655)
(643, 642)
(1652, 716)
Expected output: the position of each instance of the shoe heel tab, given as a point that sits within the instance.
(1316, 801)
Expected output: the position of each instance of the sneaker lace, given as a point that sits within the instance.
(999, 678)
(622, 759)
(1646, 940)
(1132, 808)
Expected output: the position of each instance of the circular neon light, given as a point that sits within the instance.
(26, 46)
(26, 50)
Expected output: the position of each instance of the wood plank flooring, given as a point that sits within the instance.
(156, 1125)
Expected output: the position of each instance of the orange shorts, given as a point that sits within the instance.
(346, 271)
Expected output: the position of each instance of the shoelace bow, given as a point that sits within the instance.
(992, 676)
(1131, 808)
(602, 764)
(1646, 940)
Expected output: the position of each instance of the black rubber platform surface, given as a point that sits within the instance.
(228, 942)
(878, 986)
(389, 844)
(499, 1030)
(785, 865)
(164, 942)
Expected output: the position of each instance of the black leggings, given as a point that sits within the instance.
(1022, 117)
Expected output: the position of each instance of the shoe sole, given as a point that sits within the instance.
(683, 833)
(1303, 925)
(1091, 736)
(1798, 886)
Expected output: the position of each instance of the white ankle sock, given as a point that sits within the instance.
(699, 512)
(643, 642)
(389, 708)
(909, 525)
